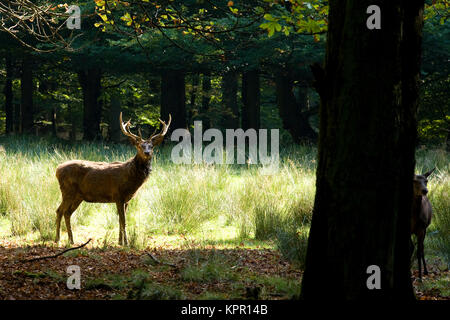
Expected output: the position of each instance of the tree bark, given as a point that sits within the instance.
(17, 119)
(206, 99)
(114, 126)
(90, 81)
(53, 120)
(26, 100)
(447, 142)
(368, 128)
(73, 123)
(173, 99)
(192, 111)
(250, 100)
(7, 90)
(295, 121)
(229, 99)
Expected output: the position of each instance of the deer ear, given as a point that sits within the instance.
(429, 172)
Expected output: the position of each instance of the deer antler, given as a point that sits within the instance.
(158, 138)
(125, 127)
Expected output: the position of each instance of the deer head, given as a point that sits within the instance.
(420, 183)
(145, 146)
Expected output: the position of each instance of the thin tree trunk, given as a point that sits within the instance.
(295, 120)
(53, 119)
(229, 98)
(206, 99)
(448, 141)
(90, 81)
(173, 99)
(192, 111)
(250, 100)
(17, 118)
(362, 207)
(26, 85)
(7, 90)
(114, 126)
(73, 124)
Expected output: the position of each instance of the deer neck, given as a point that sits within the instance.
(417, 204)
(142, 168)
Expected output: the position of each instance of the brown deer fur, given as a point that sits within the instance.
(421, 217)
(115, 182)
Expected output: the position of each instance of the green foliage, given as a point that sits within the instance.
(292, 243)
(434, 107)
(437, 9)
(287, 287)
(213, 268)
(295, 16)
(140, 286)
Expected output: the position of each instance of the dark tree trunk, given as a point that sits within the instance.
(90, 81)
(53, 120)
(293, 113)
(250, 100)
(229, 98)
(73, 124)
(192, 112)
(448, 141)
(17, 118)
(26, 86)
(7, 90)
(206, 99)
(173, 99)
(362, 209)
(114, 126)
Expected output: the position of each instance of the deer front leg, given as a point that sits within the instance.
(124, 224)
(420, 253)
(59, 214)
(425, 271)
(121, 208)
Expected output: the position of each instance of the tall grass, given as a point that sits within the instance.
(186, 199)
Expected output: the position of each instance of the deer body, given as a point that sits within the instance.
(421, 217)
(102, 182)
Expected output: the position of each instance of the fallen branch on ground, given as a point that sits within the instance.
(55, 255)
(160, 262)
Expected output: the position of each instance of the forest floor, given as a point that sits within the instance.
(189, 271)
(197, 272)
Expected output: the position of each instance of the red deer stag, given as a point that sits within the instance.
(115, 182)
(421, 217)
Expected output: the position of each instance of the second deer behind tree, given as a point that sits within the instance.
(102, 182)
(421, 217)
